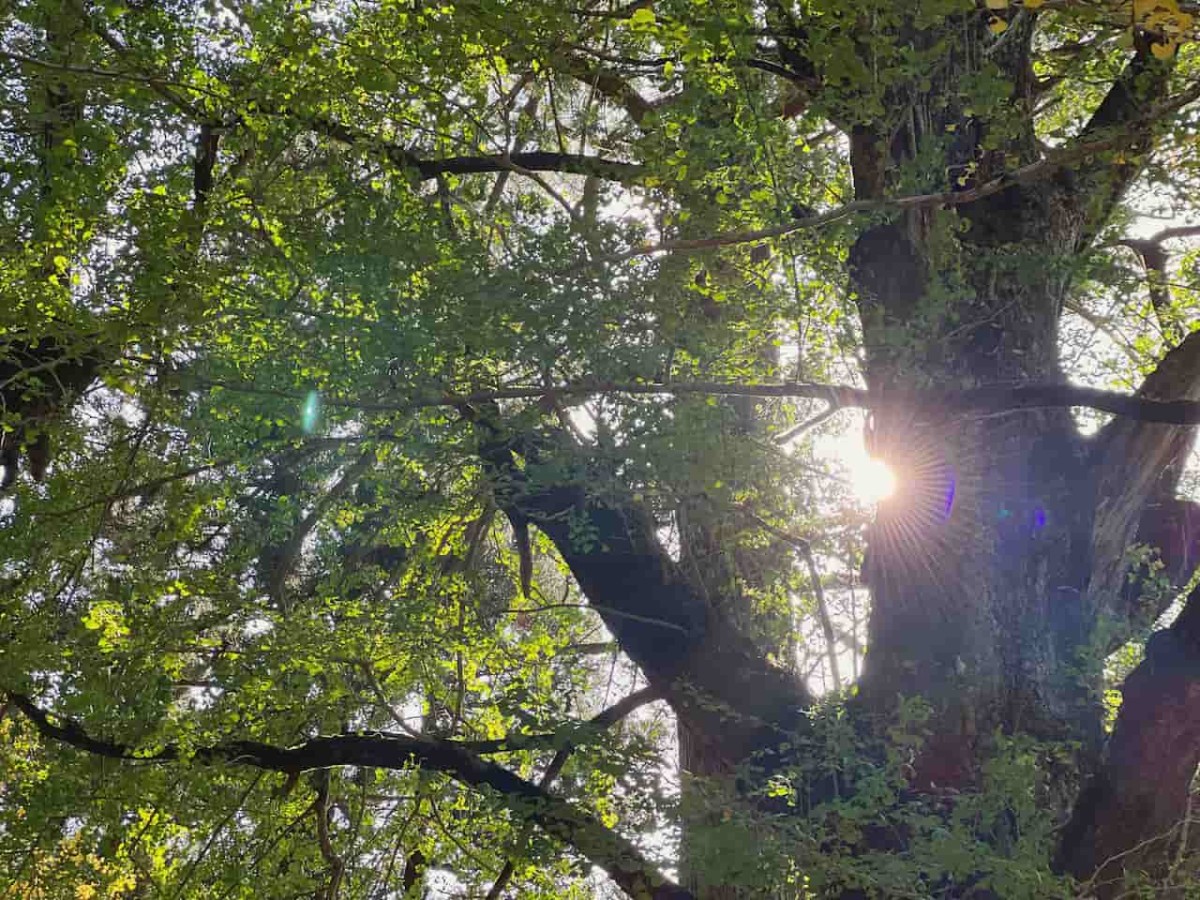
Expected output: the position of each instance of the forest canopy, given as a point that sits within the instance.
(670, 449)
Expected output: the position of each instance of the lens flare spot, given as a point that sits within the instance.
(1039, 518)
(310, 414)
(872, 479)
(948, 506)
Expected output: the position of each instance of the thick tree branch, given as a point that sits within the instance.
(1174, 233)
(208, 143)
(428, 169)
(605, 719)
(996, 399)
(608, 84)
(1129, 109)
(38, 382)
(716, 680)
(1138, 462)
(283, 565)
(1170, 527)
(1054, 162)
(617, 856)
(1129, 818)
(1155, 259)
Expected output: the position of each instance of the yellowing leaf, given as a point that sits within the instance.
(997, 4)
(1163, 50)
(997, 25)
(1144, 9)
(1033, 4)
(1160, 17)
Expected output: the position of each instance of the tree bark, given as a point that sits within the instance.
(1129, 821)
(733, 700)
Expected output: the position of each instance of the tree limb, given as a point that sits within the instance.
(208, 143)
(604, 719)
(428, 169)
(616, 855)
(283, 564)
(39, 380)
(1128, 109)
(1170, 527)
(609, 84)
(1129, 817)
(994, 399)
(1138, 462)
(1054, 162)
(716, 680)
(1155, 259)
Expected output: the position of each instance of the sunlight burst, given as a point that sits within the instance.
(871, 479)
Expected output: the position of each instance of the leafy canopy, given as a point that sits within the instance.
(285, 240)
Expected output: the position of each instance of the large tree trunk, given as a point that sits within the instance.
(999, 573)
(979, 566)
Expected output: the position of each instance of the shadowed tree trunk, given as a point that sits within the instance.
(999, 573)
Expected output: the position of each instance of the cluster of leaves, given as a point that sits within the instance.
(995, 840)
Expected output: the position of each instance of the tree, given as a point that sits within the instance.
(387, 387)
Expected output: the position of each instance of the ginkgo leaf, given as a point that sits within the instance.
(1157, 15)
(997, 25)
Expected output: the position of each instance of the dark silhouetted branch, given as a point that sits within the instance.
(617, 856)
(604, 719)
(1072, 157)
(714, 677)
(531, 161)
(608, 84)
(1132, 110)
(987, 400)
(208, 143)
(1155, 259)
